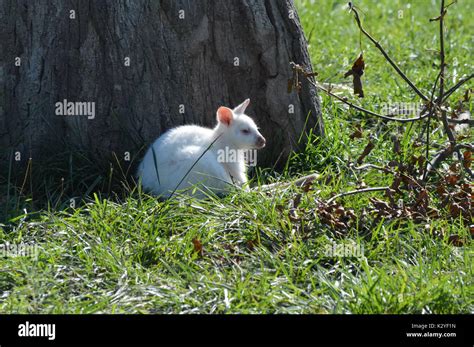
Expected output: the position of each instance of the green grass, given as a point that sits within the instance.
(134, 254)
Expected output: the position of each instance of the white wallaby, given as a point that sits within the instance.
(191, 155)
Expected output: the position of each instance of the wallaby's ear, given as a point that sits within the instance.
(225, 115)
(241, 108)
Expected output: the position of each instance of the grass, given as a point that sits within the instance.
(134, 254)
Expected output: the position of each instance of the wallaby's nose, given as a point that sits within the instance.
(261, 142)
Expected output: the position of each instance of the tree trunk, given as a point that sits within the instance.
(146, 66)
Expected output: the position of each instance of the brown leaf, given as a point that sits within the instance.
(467, 188)
(356, 72)
(452, 179)
(454, 168)
(357, 133)
(467, 159)
(422, 199)
(456, 241)
(340, 210)
(441, 190)
(366, 152)
(396, 183)
(433, 212)
(467, 95)
(251, 244)
(393, 163)
(197, 246)
(454, 210)
(380, 204)
(307, 186)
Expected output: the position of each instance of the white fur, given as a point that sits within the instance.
(179, 148)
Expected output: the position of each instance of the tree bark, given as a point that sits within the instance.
(186, 58)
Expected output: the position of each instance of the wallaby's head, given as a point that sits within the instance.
(237, 128)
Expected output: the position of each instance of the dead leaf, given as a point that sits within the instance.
(456, 241)
(467, 159)
(357, 133)
(441, 190)
(366, 152)
(454, 210)
(251, 244)
(307, 186)
(356, 72)
(422, 199)
(198, 246)
(452, 179)
(396, 183)
(467, 95)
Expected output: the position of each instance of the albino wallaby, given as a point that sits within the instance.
(191, 155)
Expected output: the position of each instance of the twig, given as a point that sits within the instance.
(298, 182)
(388, 117)
(387, 170)
(359, 108)
(372, 166)
(456, 87)
(444, 154)
(441, 53)
(365, 190)
(444, 117)
(461, 121)
(394, 65)
(428, 122)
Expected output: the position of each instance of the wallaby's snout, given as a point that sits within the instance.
(260, 141)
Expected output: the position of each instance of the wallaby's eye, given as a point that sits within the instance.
(245, 131)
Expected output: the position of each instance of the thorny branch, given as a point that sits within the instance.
(434, 106)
